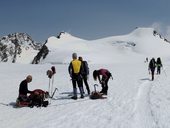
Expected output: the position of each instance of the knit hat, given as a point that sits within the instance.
(74, 55)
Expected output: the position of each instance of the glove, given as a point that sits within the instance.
(102, 82)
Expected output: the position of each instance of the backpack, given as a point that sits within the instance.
(36, 98)
(158, 62)
(76, 64)
(85, 68)
(152, 64)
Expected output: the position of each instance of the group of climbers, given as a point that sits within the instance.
(79, 72)
(155, 64)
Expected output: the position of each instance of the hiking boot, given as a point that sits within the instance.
(74, 97)
(45, 103)
(88, 92)
(104, 93)
(82, 96)
(101, 91)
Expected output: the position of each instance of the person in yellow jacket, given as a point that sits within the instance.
(75, 71)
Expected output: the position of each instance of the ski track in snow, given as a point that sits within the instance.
(142, 112)
(132, 102)
(144, 116)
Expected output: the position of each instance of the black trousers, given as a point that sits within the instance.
(105, 84)
(77, 80)
(152, 73)
(158, 70)
(86, 83)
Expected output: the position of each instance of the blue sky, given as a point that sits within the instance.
(87, 19)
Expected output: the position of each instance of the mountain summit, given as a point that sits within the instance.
(141, 41)
(146, 42)
(18, 48)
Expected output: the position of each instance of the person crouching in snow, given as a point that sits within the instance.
(104, 80)
(23, 89)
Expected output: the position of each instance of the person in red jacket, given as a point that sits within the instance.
(105, 74)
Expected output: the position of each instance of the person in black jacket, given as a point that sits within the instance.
(85, 74)
(159, 65)
(152, 66)
(23, 89)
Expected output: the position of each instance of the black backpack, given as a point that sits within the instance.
(152, 64)
(85, 68)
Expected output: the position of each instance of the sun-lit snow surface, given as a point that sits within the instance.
(133, 100)
(141, 41)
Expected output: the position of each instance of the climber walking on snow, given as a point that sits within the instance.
(159, 65)
(152, 66)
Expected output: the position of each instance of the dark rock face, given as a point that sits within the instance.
(13, 45)
(41, 55)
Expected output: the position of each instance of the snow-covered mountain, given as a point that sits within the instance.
(133, 100)
(18, 48)
(143, 41)
(61, 47)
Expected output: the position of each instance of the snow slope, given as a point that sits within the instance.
(133, 100)
(141, 41)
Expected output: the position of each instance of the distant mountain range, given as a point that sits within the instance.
(15, 47)
(21, 48)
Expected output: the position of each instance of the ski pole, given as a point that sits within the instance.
(165, 73)
(53, 72)
(95, 87)
(49, 84)
(52, 84)
(54, 92)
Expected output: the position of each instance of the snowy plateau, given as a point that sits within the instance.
(133, 100)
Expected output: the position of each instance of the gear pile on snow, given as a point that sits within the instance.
(96, 95)
(36, 98)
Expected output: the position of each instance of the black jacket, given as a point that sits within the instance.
(152, 64)
(85, 69)
(23, 88)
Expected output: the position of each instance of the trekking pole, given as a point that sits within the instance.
(149, 71)
(49, 91)
(52, 85)
(49, 85)
(56, 89)
(53, 72)
(165, 73)
(95, 87)
(49, 74)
